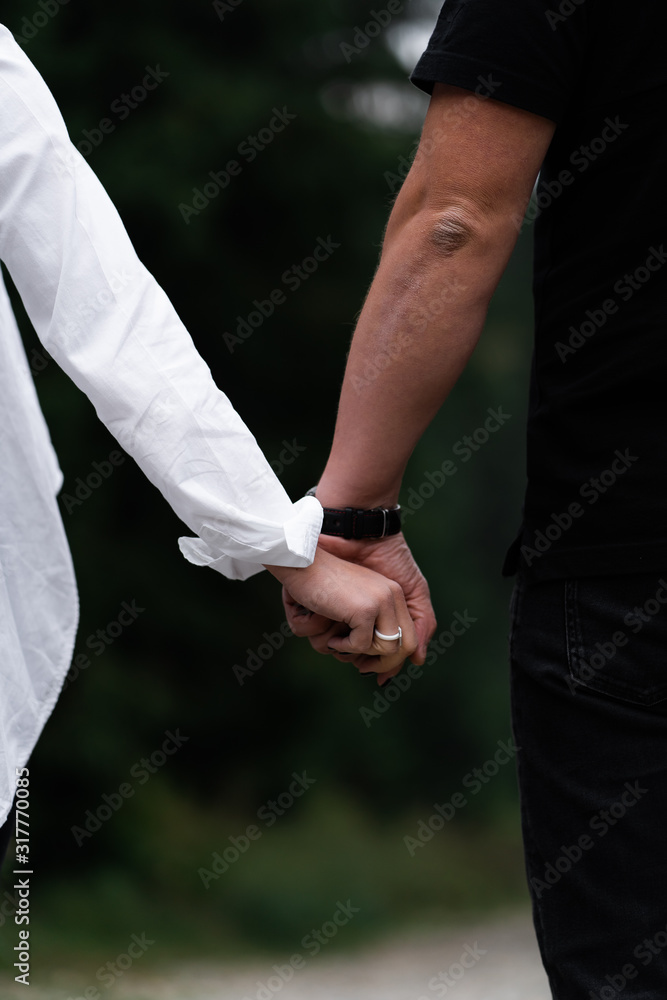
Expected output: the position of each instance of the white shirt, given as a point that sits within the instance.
(110, 326)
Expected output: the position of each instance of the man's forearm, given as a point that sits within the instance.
(448, 240)
(422, 318)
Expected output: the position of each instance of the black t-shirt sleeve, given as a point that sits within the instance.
(525, 53)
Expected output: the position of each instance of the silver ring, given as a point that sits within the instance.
(389, 638)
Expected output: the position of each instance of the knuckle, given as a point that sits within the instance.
(367, 610)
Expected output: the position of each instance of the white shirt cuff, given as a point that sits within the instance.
(240, 547)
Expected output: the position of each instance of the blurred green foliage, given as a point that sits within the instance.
(322, 176)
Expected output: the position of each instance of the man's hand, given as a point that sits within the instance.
(339, 604)
(393, 559)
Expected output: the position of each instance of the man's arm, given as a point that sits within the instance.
(448, 240)
(447, 243)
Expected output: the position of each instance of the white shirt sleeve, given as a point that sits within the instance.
(110, 326)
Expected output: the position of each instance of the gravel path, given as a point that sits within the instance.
(501, 958)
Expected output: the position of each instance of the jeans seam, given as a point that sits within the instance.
(531, 854)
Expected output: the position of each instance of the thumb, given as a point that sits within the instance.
(423, 617)
(424, 627)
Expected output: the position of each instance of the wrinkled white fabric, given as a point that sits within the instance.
(108, 324)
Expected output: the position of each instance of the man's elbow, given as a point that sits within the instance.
(468, 236)
(450, 231)
(454, 232)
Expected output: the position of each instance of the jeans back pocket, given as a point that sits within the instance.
(617, 636)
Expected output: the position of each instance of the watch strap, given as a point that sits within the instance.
(356, 522)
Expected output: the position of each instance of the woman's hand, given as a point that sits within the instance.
(338, 604)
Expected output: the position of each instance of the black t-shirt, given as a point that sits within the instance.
(596, 498)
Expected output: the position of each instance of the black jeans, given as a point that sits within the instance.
(589, 705)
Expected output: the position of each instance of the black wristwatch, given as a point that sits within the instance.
(355, 522)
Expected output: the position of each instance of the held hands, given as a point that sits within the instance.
(338, 604)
